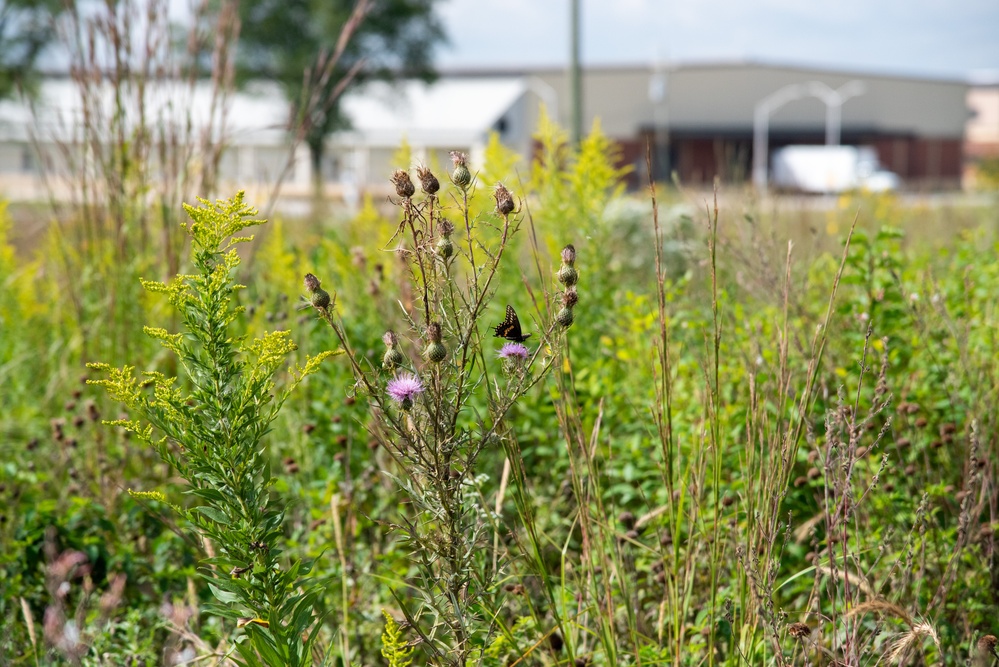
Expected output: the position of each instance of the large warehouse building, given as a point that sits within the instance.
(702, 116)
(699, 119)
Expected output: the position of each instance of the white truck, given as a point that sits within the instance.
(830, 169)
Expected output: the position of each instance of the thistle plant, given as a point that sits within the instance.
(435, 367)
(209, 426)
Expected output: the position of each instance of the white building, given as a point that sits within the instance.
(41, 143)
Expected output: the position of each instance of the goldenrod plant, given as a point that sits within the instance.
(210, 425)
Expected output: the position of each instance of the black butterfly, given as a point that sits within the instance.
(510, 327)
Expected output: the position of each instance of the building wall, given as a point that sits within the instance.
(983, 127)
(916, 124)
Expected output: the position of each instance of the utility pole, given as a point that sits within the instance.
(575, 75)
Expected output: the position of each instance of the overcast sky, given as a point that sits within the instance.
(951, 38)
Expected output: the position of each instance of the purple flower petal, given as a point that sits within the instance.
(404, 387)
(514, 351)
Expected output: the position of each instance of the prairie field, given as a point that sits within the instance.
(741, 431)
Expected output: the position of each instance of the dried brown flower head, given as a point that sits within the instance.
(799, 630)
(428, 181)
(504, 200)
(403, 185)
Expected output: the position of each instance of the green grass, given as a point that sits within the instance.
(736, 437)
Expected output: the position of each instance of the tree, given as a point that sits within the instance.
(317, 48)
(26, 28)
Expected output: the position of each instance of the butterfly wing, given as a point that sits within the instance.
(509, 328)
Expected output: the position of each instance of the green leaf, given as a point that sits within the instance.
(213, 513)
(223, 596)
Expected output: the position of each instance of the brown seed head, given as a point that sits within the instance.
(570, 298)
(446, 228)
(799, 630)
(311, 283)
(428, 181)
(434, 332)
(403, 185)
(504, 200)
(390, 338)
(987, 644)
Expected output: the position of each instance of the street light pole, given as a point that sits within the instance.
(834, 105)
(761, 129)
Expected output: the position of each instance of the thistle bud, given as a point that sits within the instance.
(460, 176)
(428, 181)
(393, 357)
(435, 352)
(445, 248)
(403, 185)
(320, 298)
(565, 318)
(504, 200)
(567, 275)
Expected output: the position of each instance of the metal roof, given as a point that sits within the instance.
(453, 111)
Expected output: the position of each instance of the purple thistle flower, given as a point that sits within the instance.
(514, 352)
(403, 388)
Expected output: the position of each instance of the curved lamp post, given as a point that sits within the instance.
(834, 104)
(833, 100)
(761, 128)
